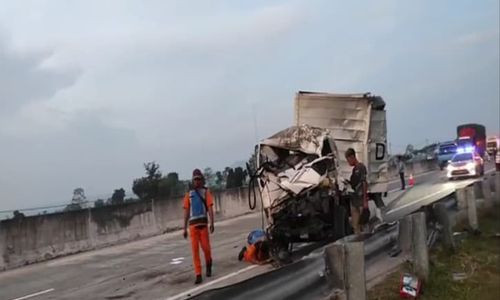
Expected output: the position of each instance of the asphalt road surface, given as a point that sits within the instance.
(160, 267)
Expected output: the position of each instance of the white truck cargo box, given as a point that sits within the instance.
(355, 121)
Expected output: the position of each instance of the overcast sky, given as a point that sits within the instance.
(89, 90)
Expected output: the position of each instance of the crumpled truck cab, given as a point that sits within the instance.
(301, 170)
(300, 186)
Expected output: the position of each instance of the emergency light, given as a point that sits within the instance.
(468, 149)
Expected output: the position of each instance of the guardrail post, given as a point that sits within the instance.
(420, 252)
(346, 267)
(404, 234)
(471, 208)
(485, 187)
(444, 219)
(478, 190)
(461, 198)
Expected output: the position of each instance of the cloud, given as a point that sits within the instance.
(25, 79)
(480, 37)
(124, 82)
(46, 168)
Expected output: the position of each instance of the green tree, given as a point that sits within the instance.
(118, 196)
(99, 203)
(245, 175)
(252, 164)
(147, 188)
(78, 196)
(238, 177)
(17, 214)
(73, 207)
(219, 180)
(170, 185)
(210, 178)
(152, 170)
(140, 187)
(230, 178)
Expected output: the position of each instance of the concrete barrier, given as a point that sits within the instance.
(345, 265)
(33, 239)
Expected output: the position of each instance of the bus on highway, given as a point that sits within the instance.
(446, 152)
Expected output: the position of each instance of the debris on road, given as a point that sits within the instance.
(410, 286)
(459, 276)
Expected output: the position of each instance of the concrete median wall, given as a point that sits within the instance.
(33, 239)
(37, 238)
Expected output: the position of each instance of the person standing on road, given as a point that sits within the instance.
(401, 170)
(359, 198)
(198, 212)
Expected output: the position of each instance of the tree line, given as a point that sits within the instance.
(155, 185)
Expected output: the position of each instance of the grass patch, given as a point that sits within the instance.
(477, 256)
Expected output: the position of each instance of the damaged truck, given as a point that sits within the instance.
(301, 171)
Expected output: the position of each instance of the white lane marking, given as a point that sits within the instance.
(34, 294)
(177, 260)
(193, 290)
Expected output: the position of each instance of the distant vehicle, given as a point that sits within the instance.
(471, 138)
(446, 152)
(492, 145)
(465, 165)
(497, 161)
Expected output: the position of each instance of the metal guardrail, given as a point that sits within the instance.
(310, 279)
(304, 279)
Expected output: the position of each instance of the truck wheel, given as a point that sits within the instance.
(280, 246)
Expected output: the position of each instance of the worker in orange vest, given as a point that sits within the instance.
(198, 214)
(257, 249)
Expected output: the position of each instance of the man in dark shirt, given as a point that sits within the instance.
(359, 198)
(401, 170)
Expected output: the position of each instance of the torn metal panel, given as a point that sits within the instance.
(306, 139)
